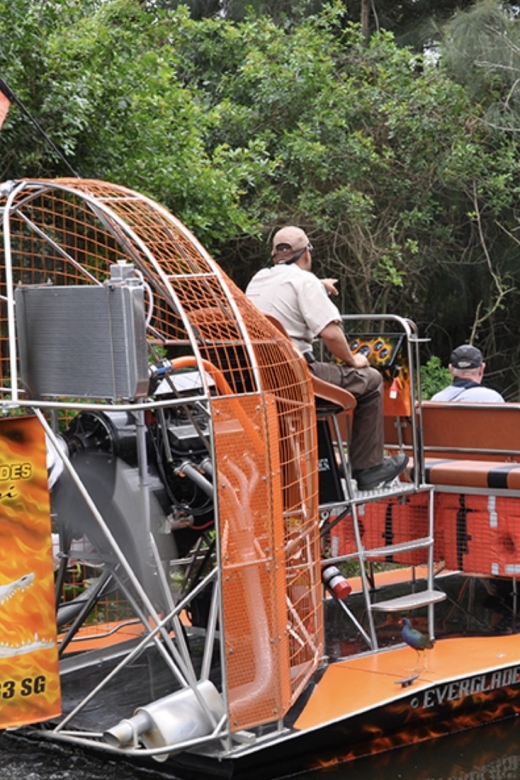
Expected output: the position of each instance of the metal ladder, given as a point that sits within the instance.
(429, 596)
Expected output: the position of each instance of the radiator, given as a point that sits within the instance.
(83, 341)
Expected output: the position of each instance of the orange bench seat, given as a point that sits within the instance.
(473, 473)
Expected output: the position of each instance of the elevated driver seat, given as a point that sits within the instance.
(332, 402)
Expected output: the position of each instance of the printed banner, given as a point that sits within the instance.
(29, 672)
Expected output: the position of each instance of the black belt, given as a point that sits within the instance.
(309, 357)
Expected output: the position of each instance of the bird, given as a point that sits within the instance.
(417, 640)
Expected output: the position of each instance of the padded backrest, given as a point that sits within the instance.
(460, 430)
(324, 391)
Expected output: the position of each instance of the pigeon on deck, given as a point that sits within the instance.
(416, 639)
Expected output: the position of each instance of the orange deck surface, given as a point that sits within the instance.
(359, 684)
(96, 635)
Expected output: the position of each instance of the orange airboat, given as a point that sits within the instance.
(175, 489)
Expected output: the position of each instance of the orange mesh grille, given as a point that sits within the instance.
(253, 558)
(70, 231)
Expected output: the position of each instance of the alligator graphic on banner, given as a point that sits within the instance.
(29, 674)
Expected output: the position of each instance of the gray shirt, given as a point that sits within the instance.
(468, 392)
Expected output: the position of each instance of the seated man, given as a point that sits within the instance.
(467, 368)
(295, 296)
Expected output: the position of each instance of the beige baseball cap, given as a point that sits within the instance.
(287, 241)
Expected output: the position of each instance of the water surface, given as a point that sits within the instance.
(486, 753)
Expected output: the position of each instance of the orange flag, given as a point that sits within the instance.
(5, 103)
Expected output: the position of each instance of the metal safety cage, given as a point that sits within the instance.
(188, 491)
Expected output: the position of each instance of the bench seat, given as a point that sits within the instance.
(492, 475)
(465, 445)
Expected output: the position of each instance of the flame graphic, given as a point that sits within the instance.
(420, 725)
(29, 681)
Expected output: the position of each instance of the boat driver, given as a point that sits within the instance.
(289, 291)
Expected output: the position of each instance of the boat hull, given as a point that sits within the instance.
(360, 707)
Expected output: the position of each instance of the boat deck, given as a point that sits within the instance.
(360, 684)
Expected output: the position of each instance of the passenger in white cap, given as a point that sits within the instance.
(295, 296)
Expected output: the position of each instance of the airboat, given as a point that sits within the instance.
(189, 574)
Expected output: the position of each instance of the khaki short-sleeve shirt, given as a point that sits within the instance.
(297, 298)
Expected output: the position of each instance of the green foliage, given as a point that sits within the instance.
(111, 99)
(482, 50)
(434, 377)
(413, 22)
(359, 142)
(238, 10)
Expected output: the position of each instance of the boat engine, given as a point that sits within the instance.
(103, 448)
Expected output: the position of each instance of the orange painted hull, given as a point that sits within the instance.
(359, 707)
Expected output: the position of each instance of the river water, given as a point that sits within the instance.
(487, 753)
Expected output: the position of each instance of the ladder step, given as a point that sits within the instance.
(412, 601)
(385, 491)
(391, 549)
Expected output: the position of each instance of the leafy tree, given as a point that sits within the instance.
(434, 377)
(103, 85)
(361, 141)
(381, 158)
(414, 23)
(238, 10)
(24, 27)
(481, 49)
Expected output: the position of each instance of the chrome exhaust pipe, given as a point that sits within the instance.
(170, 720)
